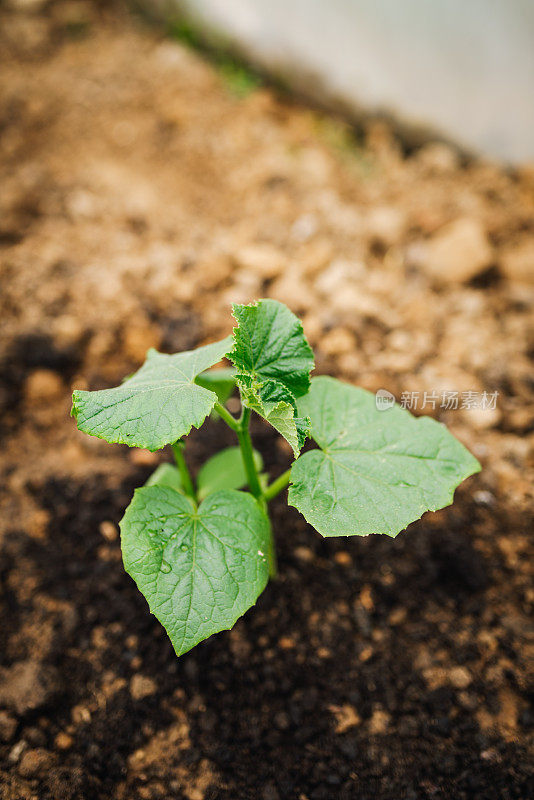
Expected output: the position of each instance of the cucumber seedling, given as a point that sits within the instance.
(201, 552)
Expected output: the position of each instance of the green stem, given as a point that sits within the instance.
(245, 443)
(277, 485)
(241, 427)
(178, 450)
(231, 421)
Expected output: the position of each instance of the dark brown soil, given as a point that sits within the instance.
(140, 198)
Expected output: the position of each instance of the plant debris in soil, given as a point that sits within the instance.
(140, 197)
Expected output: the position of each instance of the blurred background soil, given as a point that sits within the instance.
(144, 189)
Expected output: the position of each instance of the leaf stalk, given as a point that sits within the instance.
(178, 450)
(277, 485)
(231, 421)
(245, 442)
(241, 427)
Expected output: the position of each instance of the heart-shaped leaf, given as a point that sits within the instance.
(200, 568)
(376, 471)
(157, 405)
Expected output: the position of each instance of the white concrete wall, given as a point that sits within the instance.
(464, 68)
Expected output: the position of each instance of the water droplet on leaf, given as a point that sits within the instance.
(165, 566)
(184, 547)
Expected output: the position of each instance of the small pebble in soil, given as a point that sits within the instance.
(343, 558)
(484, 498)
(27, 685)
(80, 714)
(397, 616)
(108, 530)
(43, 385)
(286, 643)
(379, 722)
(63, 741)
(17, 750)
(304, 553)
(35, 763)
(142, 686)
(346, 717)
(457, 252)
(8, 726)
(460, 677)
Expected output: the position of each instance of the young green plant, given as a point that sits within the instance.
(201, 552)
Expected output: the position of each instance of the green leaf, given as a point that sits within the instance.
(278, 406)
(376, 471)
(224, 471)
(159, 404)
(270, 345)
(199, 569)
(221, 381)
(166, 475)
(273, 361)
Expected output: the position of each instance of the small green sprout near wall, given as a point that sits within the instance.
(202, 554)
